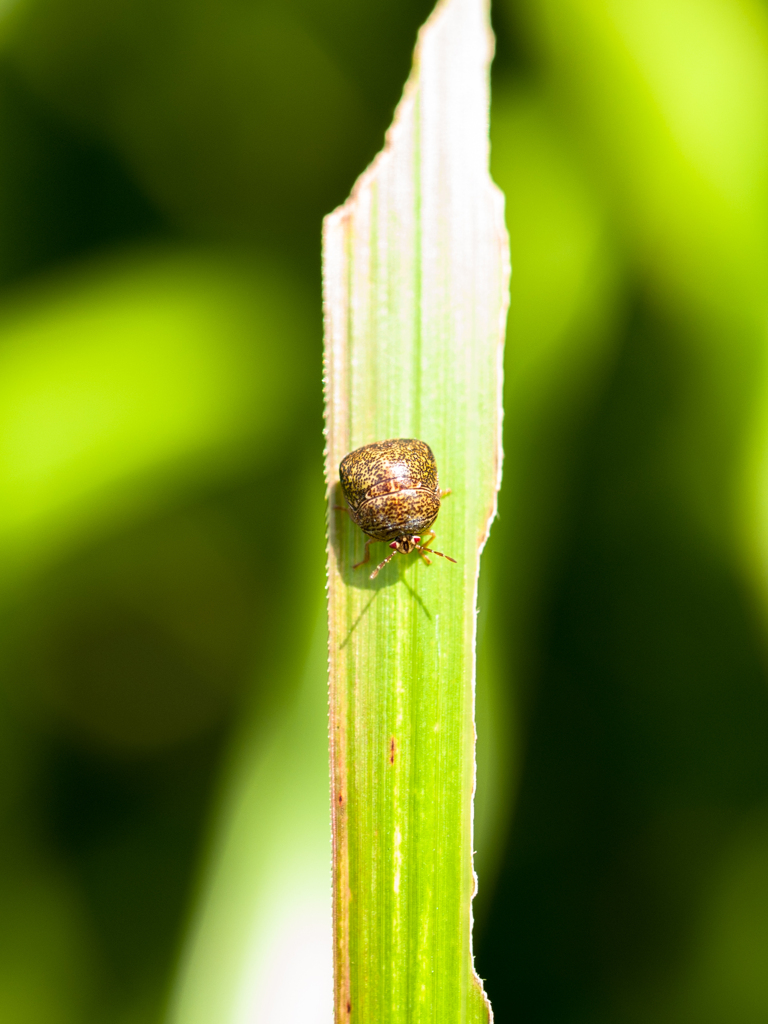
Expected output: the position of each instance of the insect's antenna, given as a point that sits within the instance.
(381, 565)
(431, 551)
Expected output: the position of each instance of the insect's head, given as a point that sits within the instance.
(406, 544)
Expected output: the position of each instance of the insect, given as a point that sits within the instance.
(393, 495)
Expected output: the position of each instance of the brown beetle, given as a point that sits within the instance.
(393, 495)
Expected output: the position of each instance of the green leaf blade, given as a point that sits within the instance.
(416, 282)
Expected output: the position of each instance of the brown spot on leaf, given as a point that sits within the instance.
(349, 1007)
(392, 749)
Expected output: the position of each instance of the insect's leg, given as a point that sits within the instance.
(423, 547)
(342, 508)
(444, 494)
(367, 555)
(381, 565)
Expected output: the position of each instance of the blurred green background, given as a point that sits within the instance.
(164, 168)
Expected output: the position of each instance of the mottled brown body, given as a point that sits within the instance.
(393, 495)
(391, 488)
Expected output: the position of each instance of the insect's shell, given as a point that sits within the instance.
(391, 487)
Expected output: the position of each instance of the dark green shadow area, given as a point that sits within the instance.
(645, 736)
